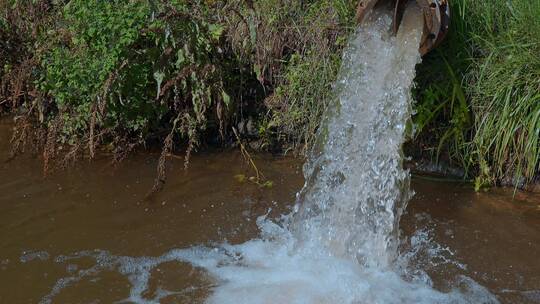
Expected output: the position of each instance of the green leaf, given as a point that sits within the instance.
(159, 76)
(226, 98)
(215, 31)
(257, 70)
(181, 58)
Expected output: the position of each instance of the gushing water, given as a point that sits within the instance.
(356, 187)
(340, 245)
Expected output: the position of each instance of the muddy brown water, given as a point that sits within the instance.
(493, 237)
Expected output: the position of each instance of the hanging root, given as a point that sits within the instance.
(50, 150)
(91, 140)
(21, 133)
(161, 177)
(99, 107)
(122, 148)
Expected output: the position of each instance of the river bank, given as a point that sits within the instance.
(266, 69)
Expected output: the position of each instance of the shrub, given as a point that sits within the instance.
(125, 66)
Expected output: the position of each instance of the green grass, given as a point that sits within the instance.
(483, 109)
(505, 92)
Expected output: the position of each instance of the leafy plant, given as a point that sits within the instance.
(126, 66)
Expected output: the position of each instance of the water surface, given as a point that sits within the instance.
(491, 237)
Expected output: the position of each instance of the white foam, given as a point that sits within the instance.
(274, 269)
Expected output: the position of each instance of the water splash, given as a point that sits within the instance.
(271, 270)
(340, 245)
(356, 187)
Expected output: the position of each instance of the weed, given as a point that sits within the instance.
(478, 94)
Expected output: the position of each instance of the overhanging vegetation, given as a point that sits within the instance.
(87, 76)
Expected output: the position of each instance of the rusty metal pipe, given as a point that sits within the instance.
(436, 18)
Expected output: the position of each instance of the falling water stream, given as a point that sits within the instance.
(356, 186)
(341, 242)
